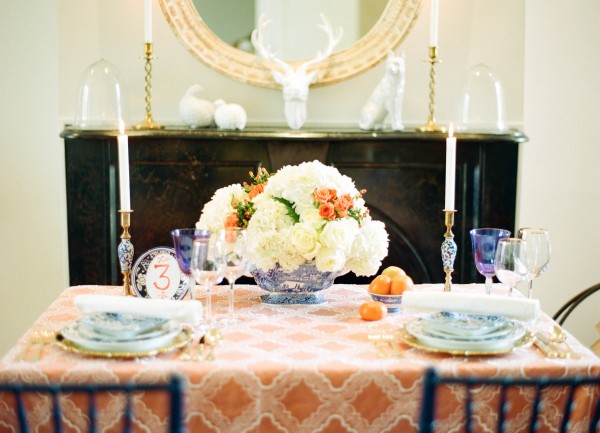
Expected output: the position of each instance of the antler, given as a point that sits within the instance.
(265, 51)
(332, 41)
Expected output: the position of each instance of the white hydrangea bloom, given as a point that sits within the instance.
(219, 207)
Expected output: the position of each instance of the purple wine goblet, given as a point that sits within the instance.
(183, 239)
(484, 242)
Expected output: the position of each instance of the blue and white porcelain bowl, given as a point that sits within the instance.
(392, 302)
(294, 287)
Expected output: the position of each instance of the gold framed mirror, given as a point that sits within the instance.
(388, 32)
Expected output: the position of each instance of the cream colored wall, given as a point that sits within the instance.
(32, 211)
(559, 184)
(39, 92)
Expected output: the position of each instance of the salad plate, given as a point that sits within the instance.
(482, 343)
(122, 325)
(78, 333)
(464, 324)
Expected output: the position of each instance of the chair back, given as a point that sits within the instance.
(58, 407)
(531, 405)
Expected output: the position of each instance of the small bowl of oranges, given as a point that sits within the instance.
(389, 286)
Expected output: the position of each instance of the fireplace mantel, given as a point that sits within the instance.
(174, 171)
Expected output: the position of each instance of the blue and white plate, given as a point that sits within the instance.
(483, 343)
(80, 334)
(464, 324)
(122, 325)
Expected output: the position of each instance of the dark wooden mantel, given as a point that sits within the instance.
(174, 171)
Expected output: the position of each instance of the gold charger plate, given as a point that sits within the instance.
(407, 338)
(180, 340)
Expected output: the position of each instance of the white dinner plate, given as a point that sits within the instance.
(498, 343)
(77, 332)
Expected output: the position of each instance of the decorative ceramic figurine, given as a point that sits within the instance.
(295, 82)
(195, 111)
(387, 97)
(229, 116)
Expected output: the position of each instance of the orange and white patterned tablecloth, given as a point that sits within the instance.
(299, 368)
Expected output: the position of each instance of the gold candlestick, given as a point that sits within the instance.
(125, 252)
(448, 249)
(148, 122)
(431, 126)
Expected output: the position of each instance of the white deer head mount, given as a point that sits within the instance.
(295, 82)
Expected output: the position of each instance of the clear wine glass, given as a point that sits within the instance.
(208, 266)
(234, 245)
(511, 262)
(183, 240)
(484, 242)
(538, 252)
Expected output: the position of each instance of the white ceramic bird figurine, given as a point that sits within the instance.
(229, 116)
(195, 111)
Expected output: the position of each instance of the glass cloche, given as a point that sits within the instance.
(101, 102)
(482, 102)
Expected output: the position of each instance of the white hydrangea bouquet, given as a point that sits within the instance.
(304, 214)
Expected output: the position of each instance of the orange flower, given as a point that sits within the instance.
(231, 220)
(327, 211)
(324, 195)
(255, 190)
(344, 203)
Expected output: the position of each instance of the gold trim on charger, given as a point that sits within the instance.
(178, 342)
(407, 338)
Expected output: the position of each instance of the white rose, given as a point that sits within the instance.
(312, 218)
(304, 238)
(330, 260)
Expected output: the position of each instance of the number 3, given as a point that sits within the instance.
(162, 276)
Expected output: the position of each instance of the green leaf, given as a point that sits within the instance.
(290, 208)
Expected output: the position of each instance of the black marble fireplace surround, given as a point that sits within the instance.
(174, 171)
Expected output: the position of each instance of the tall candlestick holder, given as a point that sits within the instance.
(148, 122)
(431, 126)
(125, 252)
(448, 249)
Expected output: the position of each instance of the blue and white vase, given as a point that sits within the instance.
(294, 287)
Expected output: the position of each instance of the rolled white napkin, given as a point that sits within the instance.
(474, 303)
(182, 311)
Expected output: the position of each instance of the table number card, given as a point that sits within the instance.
(156, 275)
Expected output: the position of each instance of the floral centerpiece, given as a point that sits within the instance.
(307, 214)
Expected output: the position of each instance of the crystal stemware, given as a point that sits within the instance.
(538, 252)
(234, 245)
(484, 242)
(511, 262)
(208, 265)
(183, 240)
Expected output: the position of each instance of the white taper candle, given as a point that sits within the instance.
(123, 144)
(450, 168)
(148, 21)
(433, 24)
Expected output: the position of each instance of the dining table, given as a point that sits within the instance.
(284, 368)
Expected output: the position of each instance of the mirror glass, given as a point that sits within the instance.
(205, 27)
(292, 32)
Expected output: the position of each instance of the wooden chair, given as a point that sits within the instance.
(498, 404)
(25, 399)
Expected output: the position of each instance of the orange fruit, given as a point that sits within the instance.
(381, 285)
(400, 284)
(373, 310)
(393, 272)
